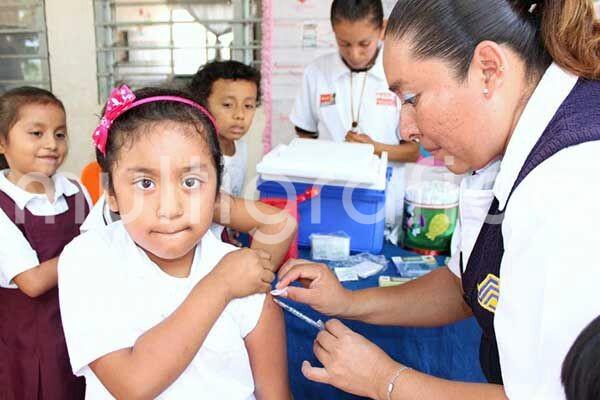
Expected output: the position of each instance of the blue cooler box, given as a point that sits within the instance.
(330, 215)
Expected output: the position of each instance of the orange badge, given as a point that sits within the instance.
(327, 99)
(386, 99)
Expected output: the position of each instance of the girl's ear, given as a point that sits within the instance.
(111, 199)
(2, 144)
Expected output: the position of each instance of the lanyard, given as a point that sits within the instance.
(355, 120)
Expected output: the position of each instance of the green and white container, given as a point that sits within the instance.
(430, 214)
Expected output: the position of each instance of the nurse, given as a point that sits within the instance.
(481, 80)
(345, 95)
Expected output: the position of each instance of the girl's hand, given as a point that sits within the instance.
(353, 137)
(322, 290)
(350, 362)
(245, 272)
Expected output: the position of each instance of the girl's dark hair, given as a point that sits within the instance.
(357, 10)
(11, 103)
(132, 124)
(202, 83)
(539, 31)
(581, 368)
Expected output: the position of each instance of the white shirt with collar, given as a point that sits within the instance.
(234, 169)
(324, 102)
(475, 199)
(111, 293)
(16, 254)
(324, 106)
(549, 274)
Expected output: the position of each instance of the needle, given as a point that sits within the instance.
(318, 324)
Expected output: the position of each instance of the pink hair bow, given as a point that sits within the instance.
(119, 101)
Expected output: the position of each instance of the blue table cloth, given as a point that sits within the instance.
(450, 352)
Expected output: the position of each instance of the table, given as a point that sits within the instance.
(450, 352)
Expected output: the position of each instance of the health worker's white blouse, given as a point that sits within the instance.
(476, 196)
(549, 273)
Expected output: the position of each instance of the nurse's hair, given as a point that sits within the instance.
(540, 31)
(357, 10)
(132, 124)
(581, 368)
(11, 103)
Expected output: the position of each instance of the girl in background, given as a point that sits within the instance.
(40, 212)
(345, 95)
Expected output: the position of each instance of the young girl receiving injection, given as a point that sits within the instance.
(155, 306)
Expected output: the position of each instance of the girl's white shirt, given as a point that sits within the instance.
(111, 293)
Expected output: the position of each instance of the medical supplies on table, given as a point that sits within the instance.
(430, 213)
(351, 182)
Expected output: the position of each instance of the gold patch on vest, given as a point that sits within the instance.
(488, 293)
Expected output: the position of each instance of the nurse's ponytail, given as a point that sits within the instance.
(540, 31)
(571, 34)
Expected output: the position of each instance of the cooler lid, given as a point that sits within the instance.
(330, 163)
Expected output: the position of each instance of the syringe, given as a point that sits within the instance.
(317, 324)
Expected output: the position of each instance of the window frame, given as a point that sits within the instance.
(245, 47)
(40, 29)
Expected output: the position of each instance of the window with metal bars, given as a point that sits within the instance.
(23, 45)
(151, 42)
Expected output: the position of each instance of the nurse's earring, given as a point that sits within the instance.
(414, 139)
(486, 90)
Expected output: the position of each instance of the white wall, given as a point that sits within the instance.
(72, 48)
(71, 44)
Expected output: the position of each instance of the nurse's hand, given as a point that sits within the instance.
(244, 272)
(320, 289)
(350, 362)
(353, 137)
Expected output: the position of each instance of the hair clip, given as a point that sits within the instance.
(532, 8)
(118, 102)
(123, 99)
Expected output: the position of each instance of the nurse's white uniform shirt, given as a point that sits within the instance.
(476, 196)
(323, 105)
(111, 294)
(549, 273)
(16, 254)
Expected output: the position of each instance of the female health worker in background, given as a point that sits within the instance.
(345, 95)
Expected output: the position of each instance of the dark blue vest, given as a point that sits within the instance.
(576, 121)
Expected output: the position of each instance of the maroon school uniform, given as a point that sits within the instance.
(34, 364)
